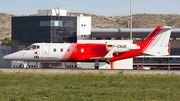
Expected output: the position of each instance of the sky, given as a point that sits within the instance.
(98, 7)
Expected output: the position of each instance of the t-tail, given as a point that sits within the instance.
(157, 42)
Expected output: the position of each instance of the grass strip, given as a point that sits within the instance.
(88, 87)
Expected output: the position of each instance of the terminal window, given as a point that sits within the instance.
(50, 23)
(5, 51)
(58, 23)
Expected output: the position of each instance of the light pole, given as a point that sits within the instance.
(131, 20)
(128, 21)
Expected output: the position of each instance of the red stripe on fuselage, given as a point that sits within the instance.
(93, 51)
(90, 51)
(68, 54)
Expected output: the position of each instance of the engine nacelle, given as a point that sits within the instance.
(121, 47)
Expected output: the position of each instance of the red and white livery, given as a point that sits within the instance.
(155, 44)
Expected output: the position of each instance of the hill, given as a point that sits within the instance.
(5, 25)
(98, 21)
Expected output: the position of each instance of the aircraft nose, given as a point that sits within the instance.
(14, 56)
(7, 57)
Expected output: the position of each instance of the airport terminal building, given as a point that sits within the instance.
(57, 27)
(32, 29)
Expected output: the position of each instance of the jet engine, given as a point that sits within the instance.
(121, 47)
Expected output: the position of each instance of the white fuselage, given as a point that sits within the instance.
(45, 52)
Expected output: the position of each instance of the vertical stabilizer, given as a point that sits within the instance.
(157, 42)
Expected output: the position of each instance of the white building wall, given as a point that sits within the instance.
(124, 64)
(83, 27)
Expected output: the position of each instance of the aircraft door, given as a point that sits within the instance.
(45, 49)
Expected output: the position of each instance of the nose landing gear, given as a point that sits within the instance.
(23, 65)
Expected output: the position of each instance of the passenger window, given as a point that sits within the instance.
(61, 50)
(38, 47)
(68, 50)
(54, 49)
(82, 50)
(75, 50)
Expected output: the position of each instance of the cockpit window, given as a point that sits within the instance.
(31, 47)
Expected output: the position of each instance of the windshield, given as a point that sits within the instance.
(31, 47)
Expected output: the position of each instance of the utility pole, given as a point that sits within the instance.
(128, 23)
(131, 20)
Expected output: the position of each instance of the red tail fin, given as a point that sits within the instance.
(157, 42)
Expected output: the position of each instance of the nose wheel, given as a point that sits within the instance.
(23, 65)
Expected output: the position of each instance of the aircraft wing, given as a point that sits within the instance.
(106, 57)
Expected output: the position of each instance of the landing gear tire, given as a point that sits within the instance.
(96, 67)
(21, 65)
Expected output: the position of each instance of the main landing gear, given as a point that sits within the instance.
(96, 65)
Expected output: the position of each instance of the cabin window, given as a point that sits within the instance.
(75, 50)
(54, 49)
(68, 50)
(61, 49)
(38, 47)
(82, 50)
